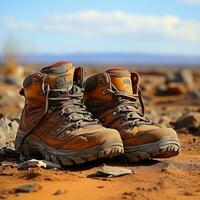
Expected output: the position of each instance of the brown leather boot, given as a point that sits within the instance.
(114, 97)
(55, 124)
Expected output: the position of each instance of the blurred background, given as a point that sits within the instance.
(127, 32)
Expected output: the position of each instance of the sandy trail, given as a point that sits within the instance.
(175, 178)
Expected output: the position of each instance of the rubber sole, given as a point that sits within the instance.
(34, 146)
(164, 148)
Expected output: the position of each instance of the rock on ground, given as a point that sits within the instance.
(189, 122)
(8, 130)
(112, 171)
(34, 187)
(38, 163)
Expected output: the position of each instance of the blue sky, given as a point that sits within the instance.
(67, 26)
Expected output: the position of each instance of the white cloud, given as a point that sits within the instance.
(192, 2)
(11, 23)
(94, 22)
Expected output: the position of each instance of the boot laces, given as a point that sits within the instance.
(128, 107)
(70, 105)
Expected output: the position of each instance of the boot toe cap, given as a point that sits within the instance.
(150, 136)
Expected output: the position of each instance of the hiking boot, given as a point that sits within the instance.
(114, 97)
(55, 124)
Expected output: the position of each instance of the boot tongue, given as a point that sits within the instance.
(121, 79)
(60, 75)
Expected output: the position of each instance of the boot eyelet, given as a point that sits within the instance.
(104, 92)
(129, 127)
(114, 113)
(49, 111)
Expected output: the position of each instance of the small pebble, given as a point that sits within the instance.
(100, 186)
(59, 192)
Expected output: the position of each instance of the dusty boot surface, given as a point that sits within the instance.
(55, 124)
(114, 97)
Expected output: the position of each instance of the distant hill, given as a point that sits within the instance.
(112, 58)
